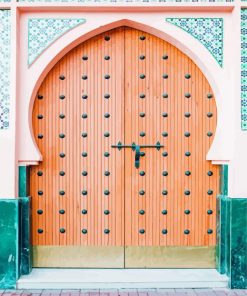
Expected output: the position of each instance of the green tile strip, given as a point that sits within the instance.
(24, 178)
(224, 180)
(208, 31)
(9, 257)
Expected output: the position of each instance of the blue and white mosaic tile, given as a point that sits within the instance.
(42, 32)
(244, 69)
(208, 31)
(4, 68)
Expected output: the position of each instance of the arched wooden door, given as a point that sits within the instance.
(101, 199)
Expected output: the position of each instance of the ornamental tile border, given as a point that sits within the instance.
(244, 69)
(42, 32)
(4, 68)
(208, 31)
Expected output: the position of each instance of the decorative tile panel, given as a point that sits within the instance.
(244, 69)
(42, 32)
(4, 68)
(208, 31)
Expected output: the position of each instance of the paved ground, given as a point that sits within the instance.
(124, 292)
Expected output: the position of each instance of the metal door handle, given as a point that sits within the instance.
(137, 149)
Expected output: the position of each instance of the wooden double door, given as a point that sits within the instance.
(101, 197)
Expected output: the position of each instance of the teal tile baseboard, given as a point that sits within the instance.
(232, 240)
(9, 233)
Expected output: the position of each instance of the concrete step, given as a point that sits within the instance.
(44, 278)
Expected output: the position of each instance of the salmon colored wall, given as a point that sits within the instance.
(229, 141)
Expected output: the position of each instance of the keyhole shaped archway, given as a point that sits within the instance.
(124, 86)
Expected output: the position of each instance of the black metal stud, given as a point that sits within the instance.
(187, 192)
(165, 57)
(165, 114)
(165, 154)
(187, 114)
(107, 96)
(61, 136)
(106, 212)
(107, 38)
(61, 212)
(40, 212)
(142, 231)
(62, 230)
(209, 134)
(141, 192)
(164, 192)
(107, 231)
(187, 134)
(209, 114)
(209, 96)
(84, 231)
(186, 231)
(106, 154)
(107, 58)
(210, 192)
(142, 38)
(40, 136)
(142, 76)
(210, 173)
(84, 96)
(61, 77)
(187, 153)
(61, 192)
(107, 115)
(40, 97)
(165, 134)
(187, 95)
(40, 230)
(107, 173)
(84, 77)
(209, 231)
(165, 173)
(187, 76)
(62, 173)
(84, 192)
(40, 116)
(164, 231)
(142, 173)
(84, 154)
(141, 212)
(40, 173)
(106, 134)
(142, 154)
(165, 95)
(142, 57)
(62, 116)
(164, 212)
(165, 76)
(40, 192)
(142, 96)
(84, 115)
(187, 212)
(84, 173)
(84, 211)
(142, 134)
(187, 173)
(142, 114)
(84, 135)
(85, 58)
(107, 76)
(106, 192)
(62, 97)
(209, 212)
